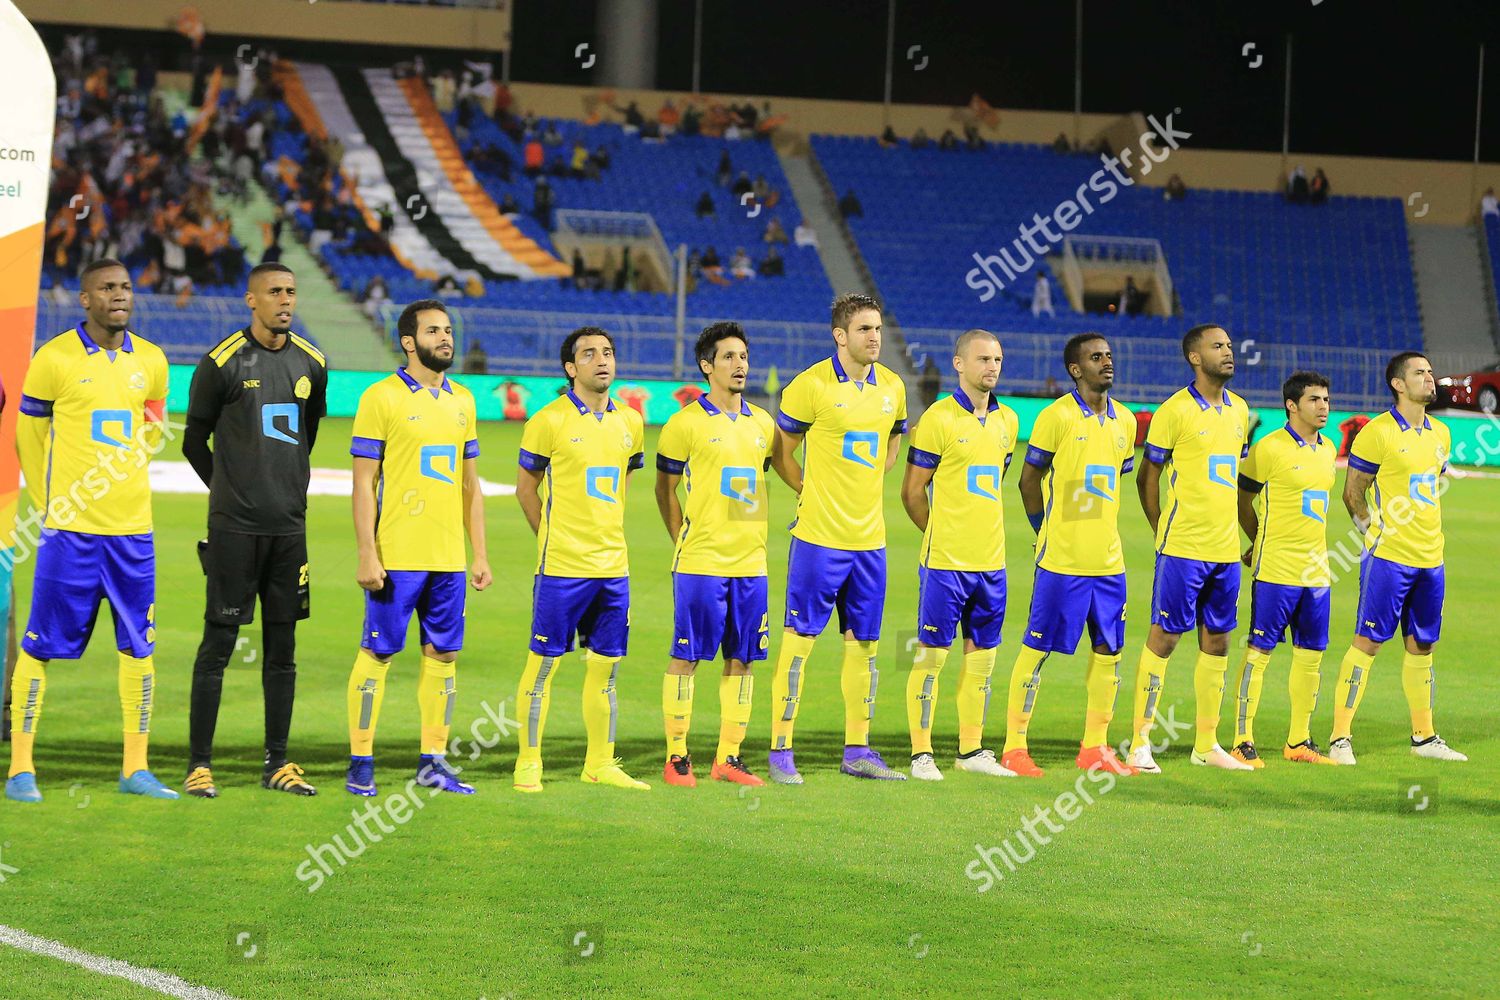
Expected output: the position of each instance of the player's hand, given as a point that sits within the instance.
(479, 574)
(1246, 557)
(371, 575)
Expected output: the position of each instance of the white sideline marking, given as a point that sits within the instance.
(179, 477)
(162, 982)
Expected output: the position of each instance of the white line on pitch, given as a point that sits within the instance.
(162, 982)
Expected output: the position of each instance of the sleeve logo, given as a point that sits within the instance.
(602, 482)
(432, 455)
(288, 411)
(859, 447)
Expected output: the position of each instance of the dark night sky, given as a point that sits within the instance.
(1370, 77)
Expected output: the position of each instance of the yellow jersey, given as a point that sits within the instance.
(1199, 446)
(421, 438)
(587, 458)
(969, 453)
(87, 466)
(1086, 456)
(1406, 519)
(1293, 478)
(846, 427)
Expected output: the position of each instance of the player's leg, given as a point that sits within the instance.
(129, 563)
(388, 611)
(746, 639)
(283, 603)
(1271, 607)
(231, 572)
(1383, 586)
(983, 616)
(940, 601)
(700, 605)
(604, 633)
(440, 617)
(1058, 608)
(556, 604)
(1309, 640)
(1421, 623)
(1173, 612)
(861, 606)
(1101, 679)
(814, 575)
(1217, 612)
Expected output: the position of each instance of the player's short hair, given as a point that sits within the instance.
(1396, 368)
(1299, 382)
(846, 305)
(269, 267)
(707, 347)
(570, 345)
(1191, 338)
(969, 336)
(102, 264)
(1073, 349)
(406, 325)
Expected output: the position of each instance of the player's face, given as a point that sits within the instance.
(861, 338)
(731, 365)
(1096, 366)
(1216, 354)
(433, 342)
(108, 299)
(1419, 384)
(594, 363)
(1313, 407)
(979, 365)
(272, 298)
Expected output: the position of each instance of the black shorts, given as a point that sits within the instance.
(241, 567)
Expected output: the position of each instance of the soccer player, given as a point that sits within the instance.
(1188, 487)
(1080, 449)
(92, 406)
(577, 454)
(416, 492)
(1403, 454)
(721, 444)
(849, 414)
(960, 452)
(1291, 471)
(260, 394)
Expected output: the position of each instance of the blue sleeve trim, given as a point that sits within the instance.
(1007, 460)
(33, 407)
(1157, 454)
(1129, 466)
(899, 427)
(471, 448)
(1036, 521)
(925, 459)
(791, 424)
(532, 462)
(1245, 451)
(670, 466)
(362, 447)
(1355, 462)
(1038, 458)
(637, 461)
(1250, 485)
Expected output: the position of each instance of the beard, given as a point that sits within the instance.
(432, 361)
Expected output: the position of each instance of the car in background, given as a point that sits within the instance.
(1478, 390)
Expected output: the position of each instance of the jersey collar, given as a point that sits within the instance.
(1298, 438)
(1401, 421)
(843, 376)
(1109, 405)
(89, 347)
(609, 404)
(714, 411)
(414, 385)
(963, 400)
(1203, 404)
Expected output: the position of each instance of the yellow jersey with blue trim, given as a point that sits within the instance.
(1406, 519)
(846, 425)
(1293, 478)
(968, 452)
(1199, 445)
(103, 411)
(1085, 456)
(723, 459)
(586, 458)
(421, 438)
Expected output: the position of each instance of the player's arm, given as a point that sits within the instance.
(1159, 441)
(479, 568)
(535, 456)
(528, 495)
(914, 491)
(1252, 480)
(928, 442)
(1046, 436)
(317, 407)
(34, 426)
(205, 403)
(784, 458)
(371, 574)
(154, 413)
(666, 499)
(1356, 486)
(797, 413)
(893, 442)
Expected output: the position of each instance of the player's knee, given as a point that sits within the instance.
(280, 641)
(216, 649)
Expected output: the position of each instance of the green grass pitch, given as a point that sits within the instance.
(1313, 881)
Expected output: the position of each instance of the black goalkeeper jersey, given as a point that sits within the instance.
(262, 408)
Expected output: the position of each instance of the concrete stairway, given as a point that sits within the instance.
(1458, 323)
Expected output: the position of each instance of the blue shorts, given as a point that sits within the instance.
(596, 609)
(74, 572)
(819, 578)
(1062, 603)
(1274, 606)
(948, 597)
(1390, 592)
(438, 600)
(714, 614)
(1187, 592)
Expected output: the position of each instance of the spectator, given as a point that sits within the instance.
(705, 206)
(633, 117)
(849, 206)
(1318, 189)
(948, 140)
(387, 220)
(625, 276)
(732, 131)
(929, 383)
(740, 265)
(772, 266)
(1176, 189)
(374, 295)
(447, 287)
(971, 138)
(533, 157)
(476, 362)
(601, 157)
(1132, 299)
(668, 118)
(1488, 205)
(580, 162)
(580, 270)
(550, 135)
(919, 139)
(710, 261)
(509, 205)
(1061, 144)
(542, 199)
(888, 138)
(725, 171)
(764, 193)
(805, 235)
(692, 121)
(1296, 186)
(1041, 296)
(774, 233)
(742, 184)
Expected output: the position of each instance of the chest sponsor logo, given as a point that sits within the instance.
(984, 481)
(1315, 505)
(290, 416)
(1221, 470)
(1422, 487)
(434, 458)
(740, 483)
(859, 447)
(121, 422)
(602, 482)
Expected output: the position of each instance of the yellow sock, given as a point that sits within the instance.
(137, 691)
(534, 695)
(921, 695)
(364, 697)
(435, 690)
(1208, 689)
(1302, 685)
(677, 707)
(27, 687)
(1101, 681)
(1354, 674)
(1420, 684)
(786, 687)
(599, 707)
(1150, 678)
(735, 694)
(1025, 679)
(974, 699)
(1247, 693)
(859, 679)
